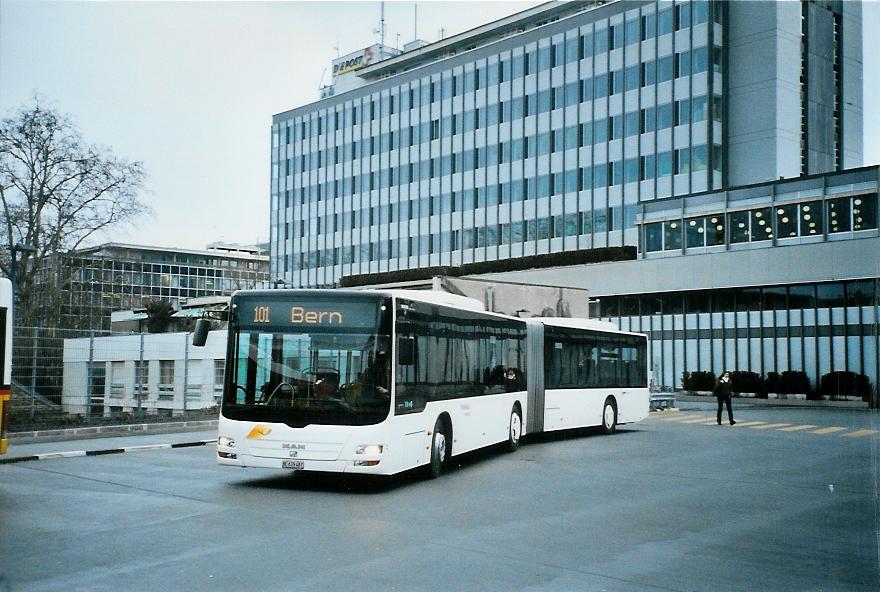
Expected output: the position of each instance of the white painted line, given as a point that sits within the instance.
(679, 417)
(146, 447)
(768, 426)
(797, 428)
(70, 454)
(859, 433)
(824, 431)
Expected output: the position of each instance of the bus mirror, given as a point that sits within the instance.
(406, 347)
(200, 335)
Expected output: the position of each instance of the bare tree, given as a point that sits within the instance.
(57, 192)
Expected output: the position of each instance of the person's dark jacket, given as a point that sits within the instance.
(723, 389)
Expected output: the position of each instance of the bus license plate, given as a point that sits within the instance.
(292, 464)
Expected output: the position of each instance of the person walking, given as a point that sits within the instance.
(723, 389)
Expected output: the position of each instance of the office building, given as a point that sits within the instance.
(722, 140)
(81, 288)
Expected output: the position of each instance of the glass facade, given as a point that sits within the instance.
(813, 327)
(542, 142)
(833, 217)
(81, 288)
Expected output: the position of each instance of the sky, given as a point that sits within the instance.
(189, 89)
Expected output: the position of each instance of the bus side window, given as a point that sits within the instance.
(406, 347)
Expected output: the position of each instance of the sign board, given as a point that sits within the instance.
(354, 61)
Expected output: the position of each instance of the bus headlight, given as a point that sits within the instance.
(371, 449)
(225, 442)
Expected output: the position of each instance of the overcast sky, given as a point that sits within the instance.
(190, 89)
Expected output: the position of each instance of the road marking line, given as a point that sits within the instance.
(664, 411)
(797, 428)
(828, 430)
(768, 426)
(680, 417)
(694, 420)
(859, 433)
(146, 447)
(746, 424)
(709, 423)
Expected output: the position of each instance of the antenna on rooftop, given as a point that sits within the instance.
(381, 30)
(415, 20)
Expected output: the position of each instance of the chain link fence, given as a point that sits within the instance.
(64, 378)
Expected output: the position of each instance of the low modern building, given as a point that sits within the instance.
(720, 142)
(161, 374)
(81, 288)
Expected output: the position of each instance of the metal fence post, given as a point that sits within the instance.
(33, 373)
(185, 370)
(91, 375)
(141, 386)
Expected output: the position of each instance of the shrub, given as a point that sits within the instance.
(795, 381)
(748, 382)
(843, 383)
(788, 382)
(698, 380)
(773, 382)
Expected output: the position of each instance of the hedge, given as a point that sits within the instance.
(843, 383)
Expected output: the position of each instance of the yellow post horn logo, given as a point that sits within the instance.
(259, 431)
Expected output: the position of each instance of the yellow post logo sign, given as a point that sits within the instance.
(353, 62)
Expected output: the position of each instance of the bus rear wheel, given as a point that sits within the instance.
(438, 449)
(515, 430)
(609, 416)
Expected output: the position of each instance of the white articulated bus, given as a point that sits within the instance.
(379, 382)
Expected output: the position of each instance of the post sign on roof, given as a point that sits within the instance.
(354, 61)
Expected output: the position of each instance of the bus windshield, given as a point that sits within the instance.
(309, 375)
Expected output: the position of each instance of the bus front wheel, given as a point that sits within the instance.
(515, 431)
(438, 449)
(609, 416)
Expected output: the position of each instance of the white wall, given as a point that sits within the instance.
(176, 347)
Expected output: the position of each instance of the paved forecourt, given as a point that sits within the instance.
(668, 504)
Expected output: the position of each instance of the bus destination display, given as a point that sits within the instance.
(309, 315)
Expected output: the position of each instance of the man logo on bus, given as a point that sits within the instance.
(313, 317)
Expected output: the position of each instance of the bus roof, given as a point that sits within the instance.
(577, 323)
(429, 296)
(444, 299)
(437, 297)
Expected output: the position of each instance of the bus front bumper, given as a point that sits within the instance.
(370, 466)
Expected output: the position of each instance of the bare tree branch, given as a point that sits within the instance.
(56, 192)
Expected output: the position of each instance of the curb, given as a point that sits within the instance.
(137, 429)
(77, 453)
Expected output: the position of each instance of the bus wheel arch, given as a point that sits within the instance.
(609, 415)
(515, 428)
(441, 445)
